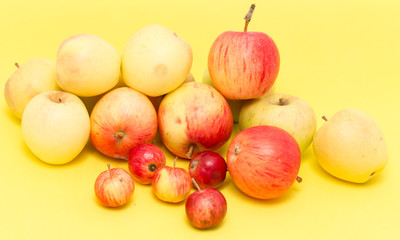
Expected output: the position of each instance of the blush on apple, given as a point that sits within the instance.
(208, 169)
(205, 208)
(144, 161)
(243, 65)
(114, 187)
(264, 161)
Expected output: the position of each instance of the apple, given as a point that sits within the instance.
(171, 184)
(205, 208)
(351, 146)
(243, 65)
(285, 111)
(114, 187)
(193, 118)
(156, 60)
(34, 76)
(55, 126)
(263, 161)
(87, 65)
(208, 169)
(121, 120)
(144, 161)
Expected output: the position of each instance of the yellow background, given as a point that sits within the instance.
(334, 54)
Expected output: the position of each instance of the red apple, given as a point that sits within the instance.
(263, 161)
(144, 161)
(171, 184)
(243, 65)
(114, 187)
(121, 120)
(208, 169)
(194, 117)
(206, 208)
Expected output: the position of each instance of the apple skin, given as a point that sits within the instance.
(171, 184)
(197, 115)
(243, 65)
(351, 146)
(206, 208)
(55, 126)
(34, 76)
(144, 161)
(87, 65)
(121, 120)
(285, 111)
(208, 169)
(263, 161)
(156, 60)
(114, 187)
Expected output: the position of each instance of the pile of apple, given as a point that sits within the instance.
(193, 119)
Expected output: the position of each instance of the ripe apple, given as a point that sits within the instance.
(114, 187)
(171, 184)
(290, 113)
(193, 118)
(121, 120)
(263, 161)
(243, 65)
(351, 146)
(87, 65)
(205, 208)
(55, 126)
(34, 76)
(156, 60)
(208, 169)
(144, 161)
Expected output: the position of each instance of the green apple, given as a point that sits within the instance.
(87, 65)
(32, 77)
(55, 126)
(351, 146)
(290, 113)
(156, 61)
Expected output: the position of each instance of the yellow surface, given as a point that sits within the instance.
(334, 54)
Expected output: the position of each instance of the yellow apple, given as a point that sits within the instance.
(32, 77)
(156, 60)
(55, 126)
(290, 113)
(87, 65)
(351, 146)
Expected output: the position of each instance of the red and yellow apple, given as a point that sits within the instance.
(263, 161)
(243, 65)
(193, 118)
(121, 120)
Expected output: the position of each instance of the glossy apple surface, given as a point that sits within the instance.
(193, 118)
(351, 146)
(144, 161)
(55, 126)
(208, 169)
(206, 208)
(156, 60)
(32, 77)
(285, 111)
(87, 65)
(121, 120)
(263, 161)
(114, 187)
(171, 184)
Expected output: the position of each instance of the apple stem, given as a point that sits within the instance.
(190, 152)
(197, 185)
(119, 134)
(175, 160)
(323, 117)
(17, 65)
(299, 179)
(248, 16)
(109, 169)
